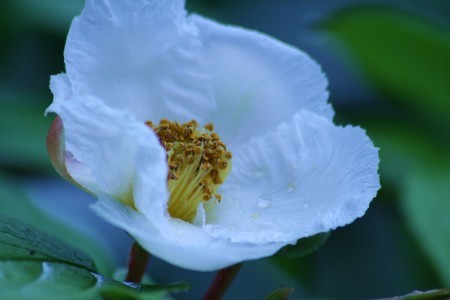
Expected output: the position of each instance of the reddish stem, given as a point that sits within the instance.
(222, 282)
(137, 263)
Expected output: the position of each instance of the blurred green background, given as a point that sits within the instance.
(388, 63)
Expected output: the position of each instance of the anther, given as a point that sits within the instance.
(209, 126)
(198, 150)
(198, 163)
(215, 136)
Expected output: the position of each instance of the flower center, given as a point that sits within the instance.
(198, 164)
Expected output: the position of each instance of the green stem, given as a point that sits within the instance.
(222, 282)
(137, 263)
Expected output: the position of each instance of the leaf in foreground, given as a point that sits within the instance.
(35, 265)
(38, 280)
(20, 241)
(16, 204)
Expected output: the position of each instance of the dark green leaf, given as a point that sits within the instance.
(280, 294)
(304, 246)
(443, 294)
(20, 241)
(34, 265)
(408, 58)
(16, 204)
(426, 203)
(116, 290)
(428, 295)
(44, 280)
(36, 280)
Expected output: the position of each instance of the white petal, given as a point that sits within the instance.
(103, 144)
(258, 81)
(183, 244)
(139, 55)
(307, 177)
(60, 87)
(150, 190)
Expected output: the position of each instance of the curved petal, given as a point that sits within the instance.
(60, 87)
(139, 55)
(56, 149)
(307, 177)
(258, 81)
(101, 146)
(182, 244)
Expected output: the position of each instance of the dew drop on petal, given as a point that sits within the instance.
(255, 216)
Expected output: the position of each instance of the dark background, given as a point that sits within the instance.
(388, 63)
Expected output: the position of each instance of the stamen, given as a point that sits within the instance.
(209, 126)
(198, 164)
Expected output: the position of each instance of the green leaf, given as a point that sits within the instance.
(116, 290)
(426, 203)
(304, 246)
(44, 280)
(280, 294)
(121, 273)
(20, 241)
(34, 265)
(406, 57)
(443, 294)
(16, 204)
(37, 280)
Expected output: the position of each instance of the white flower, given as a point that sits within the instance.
(294, 173)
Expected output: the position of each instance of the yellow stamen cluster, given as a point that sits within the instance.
(198, 164)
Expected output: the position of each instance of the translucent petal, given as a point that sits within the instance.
(258, 81)
(141, 56)
(102, 145)
(307, 177)
(182, 244)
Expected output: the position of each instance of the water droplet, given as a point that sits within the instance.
(264, 201)
(291, 187)
(305, 205)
